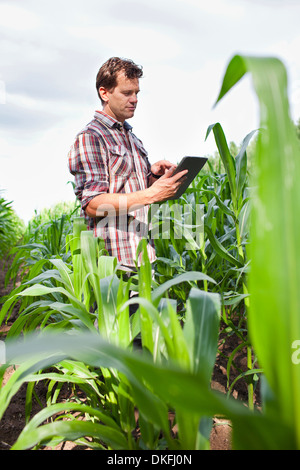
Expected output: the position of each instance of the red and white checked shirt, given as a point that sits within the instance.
(107, 157)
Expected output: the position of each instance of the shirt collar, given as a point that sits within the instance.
(110, 121)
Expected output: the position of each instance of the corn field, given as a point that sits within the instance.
(232, 271)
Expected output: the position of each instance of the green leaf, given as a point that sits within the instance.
(201, 330)
(241, 166)
(219, 248)
(158, 292)
(226, 157)
(234, 72)
(220, 203)
(71, 430)
(65, 273)
(77, 308)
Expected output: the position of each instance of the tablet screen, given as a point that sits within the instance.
(193, 165)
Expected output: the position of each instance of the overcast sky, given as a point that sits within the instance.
(50, 52)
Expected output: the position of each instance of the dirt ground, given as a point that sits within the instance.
(13, 420)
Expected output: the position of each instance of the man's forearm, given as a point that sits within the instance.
(118, 203)
(161, 190)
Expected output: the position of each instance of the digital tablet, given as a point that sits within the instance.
(193, 165)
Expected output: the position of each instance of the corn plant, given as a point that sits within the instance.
(11, 227)
(44, 238)
(273, 314)
(62, 297)
(192, 349)
(218, 246)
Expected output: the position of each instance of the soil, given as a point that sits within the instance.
(13, 420)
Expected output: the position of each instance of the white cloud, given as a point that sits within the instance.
(16, 18)
(35, 175)
(176, 108)
(229, 9)
(133, 41)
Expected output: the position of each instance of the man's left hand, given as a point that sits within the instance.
(159, 168)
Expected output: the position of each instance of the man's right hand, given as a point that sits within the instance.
(166, 186)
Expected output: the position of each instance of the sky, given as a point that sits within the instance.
(51, 51)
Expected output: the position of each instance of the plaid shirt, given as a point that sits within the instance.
(107, 157)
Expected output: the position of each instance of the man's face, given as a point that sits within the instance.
(120, 103)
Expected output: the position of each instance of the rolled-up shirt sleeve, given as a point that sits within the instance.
(87, 161)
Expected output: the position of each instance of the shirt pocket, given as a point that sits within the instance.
(146, 167)
(120, 161)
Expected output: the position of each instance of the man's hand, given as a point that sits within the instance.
(166, 187)
(161, 190)
(159, 168)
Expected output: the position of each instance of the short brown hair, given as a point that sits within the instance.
(107, 74)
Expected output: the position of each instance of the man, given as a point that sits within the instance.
(113, 177)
